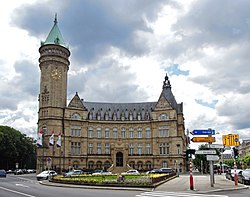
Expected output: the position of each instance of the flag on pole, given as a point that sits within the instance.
(59, 141)
(40, 139)
(51, 139)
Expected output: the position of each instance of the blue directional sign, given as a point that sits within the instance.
(204, 132)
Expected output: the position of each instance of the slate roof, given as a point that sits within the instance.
(107, 111)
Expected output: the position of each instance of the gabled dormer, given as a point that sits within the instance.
(76, 102)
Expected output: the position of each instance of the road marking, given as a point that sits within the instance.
(21, 185)
(175, 194)
(13, 191)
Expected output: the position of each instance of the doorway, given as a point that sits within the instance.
(119, 159)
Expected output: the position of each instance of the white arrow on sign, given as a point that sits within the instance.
(213, 157)
(205, 152)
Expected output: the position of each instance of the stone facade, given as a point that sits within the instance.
(108, 136)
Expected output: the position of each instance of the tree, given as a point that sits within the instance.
(16, 148)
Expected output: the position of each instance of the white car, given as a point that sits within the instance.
(45, 175)
(130, 172)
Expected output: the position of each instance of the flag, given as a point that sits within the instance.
(59, 141)
(40, 139)
(51, 139)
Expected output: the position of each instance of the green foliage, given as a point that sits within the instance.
(16, 148)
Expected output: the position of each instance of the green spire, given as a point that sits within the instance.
(55, 36)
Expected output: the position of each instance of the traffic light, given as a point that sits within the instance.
(236, 153)
(189, 153)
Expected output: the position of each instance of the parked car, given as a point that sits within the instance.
(130, 172)
(244, 177)
(3, 173)
(73, 172)
(45, 175)
(228, 174)
(18, 172)
(166, 171)
(232, 173)
(154, 171)
(101, 172)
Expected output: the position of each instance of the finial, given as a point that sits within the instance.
(166, 82)
(55, 21)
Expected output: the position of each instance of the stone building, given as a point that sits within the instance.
(98, 135)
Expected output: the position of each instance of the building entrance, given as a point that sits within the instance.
(119, 159)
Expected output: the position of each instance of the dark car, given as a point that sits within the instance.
(166, 171)
(3, 173)
(244, 177)
(228, 174)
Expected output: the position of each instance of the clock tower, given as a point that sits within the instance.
(54, 66)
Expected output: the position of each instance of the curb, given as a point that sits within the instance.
(95, 187)
(225, 189)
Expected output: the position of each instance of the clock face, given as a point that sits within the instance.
(56, 74)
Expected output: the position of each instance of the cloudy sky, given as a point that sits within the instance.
(121, 51)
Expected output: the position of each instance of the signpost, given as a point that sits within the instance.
(231, 140)
(205, 152)
(203, 139)
(203, 132)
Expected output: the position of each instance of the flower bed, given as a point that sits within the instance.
(142, 180)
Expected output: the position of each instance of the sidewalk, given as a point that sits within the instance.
(201, 184)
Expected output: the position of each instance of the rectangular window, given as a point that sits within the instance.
(107, 133)
(115, 134)
(148, 133)
(90, 148)
(131, 133)
(131, 149)
(107, 148)
(99, 148)
(75, 148)
(162, 149)
(76, 132)
(98, 133)
(139, 132)
(123, 133)
(90, 132)
(139, 148)
(164, 131)
(148, 151)
(178, 149)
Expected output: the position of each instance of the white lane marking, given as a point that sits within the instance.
(13, 191)
(21, 185)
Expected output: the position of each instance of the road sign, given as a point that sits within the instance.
(205, 152)
(231, 140)
(203, 139)
(213, 157)
(203, 132)
(214, 145)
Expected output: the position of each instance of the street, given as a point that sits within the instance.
(27, 185)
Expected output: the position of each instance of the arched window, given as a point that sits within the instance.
(163, 117)
(99, 165)
(91, 165)
(76, 116)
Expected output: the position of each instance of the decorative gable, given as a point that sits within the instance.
(163, 103)
(76, 102)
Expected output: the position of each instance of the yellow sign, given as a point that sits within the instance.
(203, 139)
(231, 140)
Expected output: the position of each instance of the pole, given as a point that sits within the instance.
(191, 176)
(235, 174)
(211, 167)
(201, 167)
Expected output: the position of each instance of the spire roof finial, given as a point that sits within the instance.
(55, 36)
(55, 21)
(166, 82)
